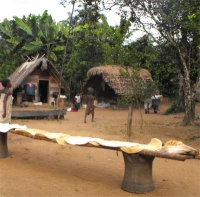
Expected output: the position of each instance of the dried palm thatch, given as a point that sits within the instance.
(28, 67)
(112, 76)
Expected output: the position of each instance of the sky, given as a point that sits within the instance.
(10, 8)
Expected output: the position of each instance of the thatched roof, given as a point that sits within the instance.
(28, 67)
(112, 76)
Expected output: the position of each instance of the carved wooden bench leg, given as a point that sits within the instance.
(138, 173)
(3, 145)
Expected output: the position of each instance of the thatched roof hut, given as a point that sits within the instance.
(28, 67)
(114, 80)
(37, 81)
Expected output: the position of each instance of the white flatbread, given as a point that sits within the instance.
(155, 144)
(5, 127)
(113, 143)
(81, 140)
(32, 131)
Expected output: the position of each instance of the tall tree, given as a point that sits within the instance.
(138, 54)
(170, 19)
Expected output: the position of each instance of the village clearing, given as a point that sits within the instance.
(44, 169)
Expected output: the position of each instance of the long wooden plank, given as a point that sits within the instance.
(36, 113)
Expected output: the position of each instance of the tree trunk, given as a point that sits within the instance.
(130, 119)
(190, 96)
(189, 88)
(141, 121)
(181, 101)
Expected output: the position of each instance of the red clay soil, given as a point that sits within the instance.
(43, 169)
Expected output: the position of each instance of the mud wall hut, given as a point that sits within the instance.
(36, 81)
(108, 82)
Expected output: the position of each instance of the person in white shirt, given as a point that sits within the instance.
(78, 100)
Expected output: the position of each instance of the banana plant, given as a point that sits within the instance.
(44, 35)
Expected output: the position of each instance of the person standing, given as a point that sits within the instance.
(6, 101)
(90, 104)
(147, 105)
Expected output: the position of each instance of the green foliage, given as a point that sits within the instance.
(164, 70)
(174, 108)
(14, 40)
(42, 35)
(52, 55)
(58, 48)
(6, 28)
(194, 19)
(7, 68)
(23, 25)
(135, 93)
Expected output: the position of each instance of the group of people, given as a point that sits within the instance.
(6, 101)
(152, 99)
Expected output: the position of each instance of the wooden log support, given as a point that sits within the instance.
(163, 154)
(138, 173)
(3, 145)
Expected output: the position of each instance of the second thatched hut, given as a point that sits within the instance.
(108, 82)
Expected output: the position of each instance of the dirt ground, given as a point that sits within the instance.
(43, 169)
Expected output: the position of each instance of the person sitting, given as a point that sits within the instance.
(78, 100)
(75, 104)
(152, 97)
(156, 99)
(148, 93)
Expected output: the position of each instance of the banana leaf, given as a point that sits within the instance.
(23, 25)
(53, 56)
(58, 48)
(14, 40)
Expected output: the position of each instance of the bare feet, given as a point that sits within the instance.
(84, 121)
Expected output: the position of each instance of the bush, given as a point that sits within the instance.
(174, 108)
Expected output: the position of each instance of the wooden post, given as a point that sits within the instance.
(138, 173)
(3, 145)
(129, 121)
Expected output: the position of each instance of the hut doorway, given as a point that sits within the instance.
(43, 90)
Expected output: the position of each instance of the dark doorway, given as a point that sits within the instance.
(43, 91)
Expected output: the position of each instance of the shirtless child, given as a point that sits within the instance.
(90, 105)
